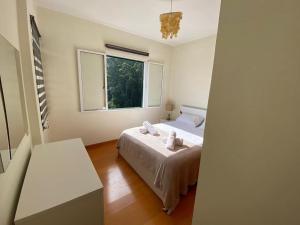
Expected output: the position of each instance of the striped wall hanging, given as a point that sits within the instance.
(39, 72)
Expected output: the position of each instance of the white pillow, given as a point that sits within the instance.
(193, 120)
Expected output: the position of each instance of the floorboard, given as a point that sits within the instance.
(127, 198)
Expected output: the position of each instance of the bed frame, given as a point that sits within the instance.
(193, 110)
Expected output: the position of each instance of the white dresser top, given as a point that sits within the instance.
(57, 173)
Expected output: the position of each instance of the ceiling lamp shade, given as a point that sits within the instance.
(170, 23)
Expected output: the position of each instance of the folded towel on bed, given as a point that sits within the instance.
(151, 129)
(179, 141)
(171, 140)
(143, 130)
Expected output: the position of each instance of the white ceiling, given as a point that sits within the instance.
(141, 17)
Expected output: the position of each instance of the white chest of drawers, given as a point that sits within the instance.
(61, 187)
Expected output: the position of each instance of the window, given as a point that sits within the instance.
(155, 84)
(124, 82)
(93, 81)
(111, 82)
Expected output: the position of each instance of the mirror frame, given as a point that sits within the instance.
(23, 113)
(6, 120)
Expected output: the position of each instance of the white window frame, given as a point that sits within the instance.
(80, 78)
(145, 80)
(162, 84)
(145, 85)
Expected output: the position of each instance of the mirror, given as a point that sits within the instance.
(11, 111)
(4, 147)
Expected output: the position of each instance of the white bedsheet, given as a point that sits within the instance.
(198, 131)
(168, 173)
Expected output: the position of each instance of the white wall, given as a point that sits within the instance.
(61, 36)
(250, 164)
(11, 180)
(8, 22)
(192, 65)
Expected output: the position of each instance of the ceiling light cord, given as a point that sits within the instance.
(170, 23)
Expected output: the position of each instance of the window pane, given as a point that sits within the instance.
(155, 84)
(93, 84)
(124, 82)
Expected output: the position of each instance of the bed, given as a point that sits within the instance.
(168, 173)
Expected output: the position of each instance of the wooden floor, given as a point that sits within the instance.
(127, 199)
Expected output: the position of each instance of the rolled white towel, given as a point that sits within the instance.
(179, 141)
(172, 133)
(143, 130)
(151, 129)
(171, 140)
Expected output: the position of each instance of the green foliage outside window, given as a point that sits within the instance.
(124, 82)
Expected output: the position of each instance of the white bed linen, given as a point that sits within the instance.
(181, 126)
(158, 166)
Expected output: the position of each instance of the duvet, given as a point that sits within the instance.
(168, 173)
